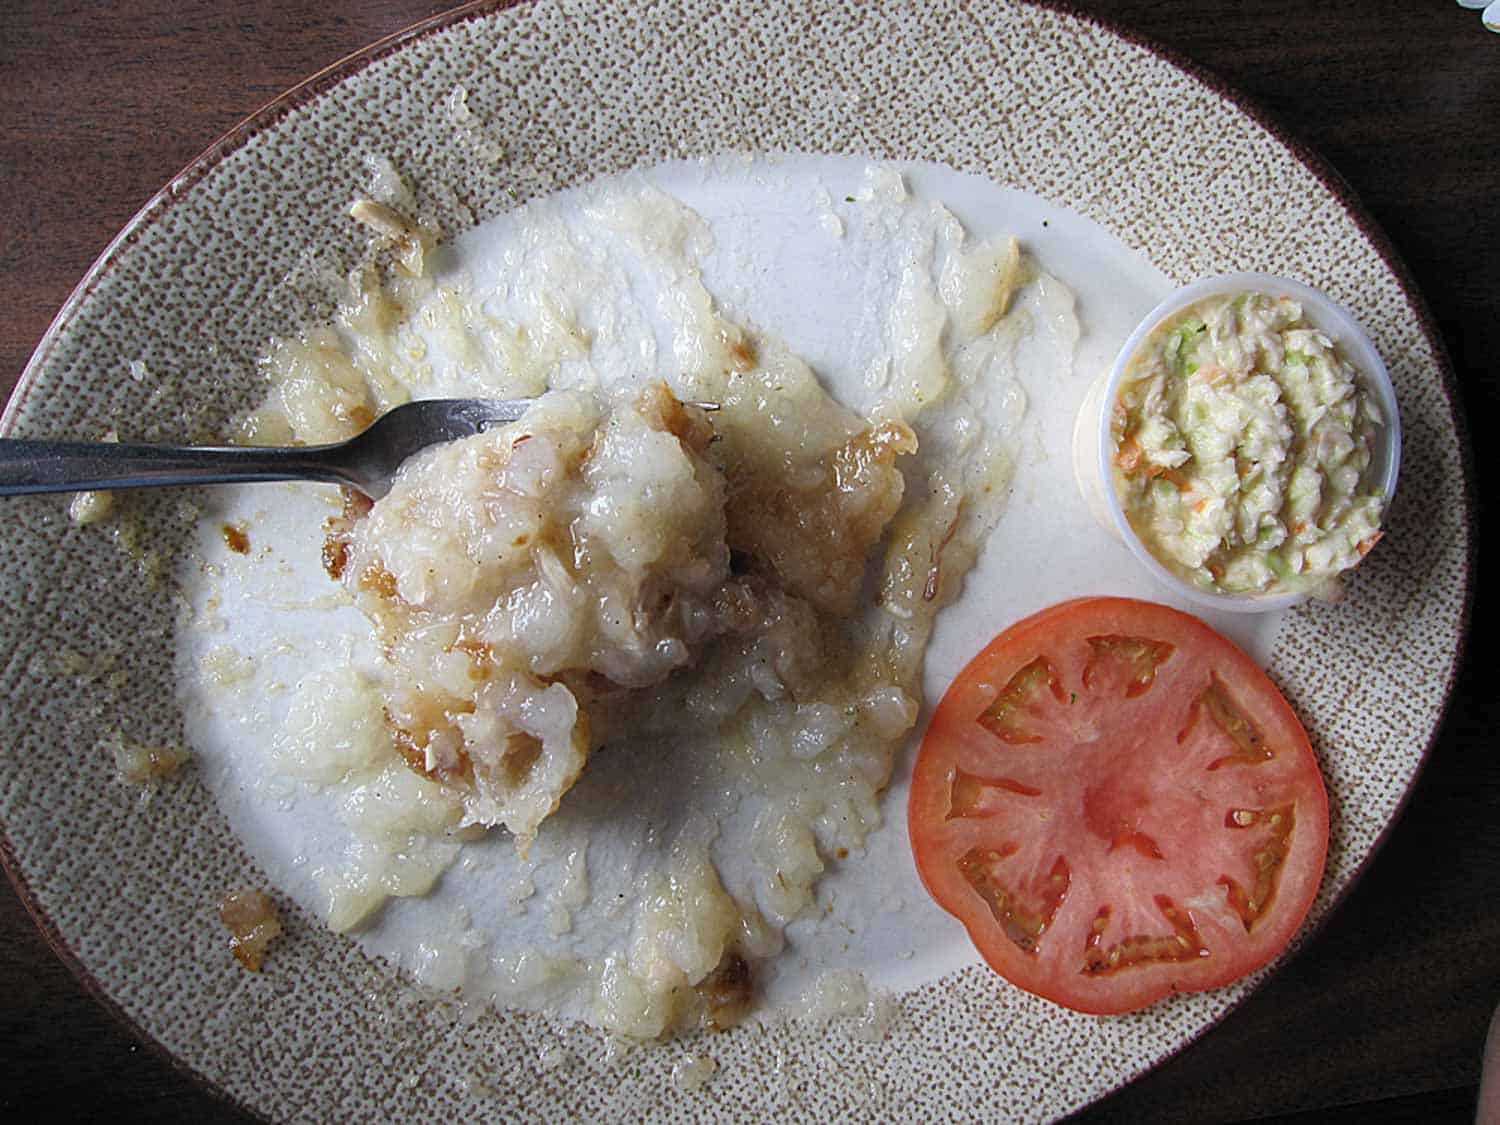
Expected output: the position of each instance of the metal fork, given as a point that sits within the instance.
(366, 461)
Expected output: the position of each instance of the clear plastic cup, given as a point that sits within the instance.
(1092, 451)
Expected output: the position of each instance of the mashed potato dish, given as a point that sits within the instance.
(519, 578)
(627, 676)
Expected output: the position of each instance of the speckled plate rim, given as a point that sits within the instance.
(331, 76)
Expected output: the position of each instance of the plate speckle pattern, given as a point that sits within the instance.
(1028, 96)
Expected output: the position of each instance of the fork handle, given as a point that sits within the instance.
(68, 466)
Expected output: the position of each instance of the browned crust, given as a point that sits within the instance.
(235, 538)
(688, 424)
(727, 992)
(339, 531)
(412, 746)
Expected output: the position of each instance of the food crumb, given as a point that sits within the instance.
(222, 666)
(94, 505)
(90, 507)
(138, 763)
(253, 923)
(407, 239)
(692, 1073)
(235, 538)
(844, 1000)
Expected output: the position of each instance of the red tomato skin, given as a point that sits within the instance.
(1056, 977)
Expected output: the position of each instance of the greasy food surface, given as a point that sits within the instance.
(628, 678)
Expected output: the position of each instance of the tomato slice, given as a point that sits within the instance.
(1118, 805)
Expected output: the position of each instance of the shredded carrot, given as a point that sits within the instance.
(1178, 479)
(1130, 457)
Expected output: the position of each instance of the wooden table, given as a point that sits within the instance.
(1384, 1015)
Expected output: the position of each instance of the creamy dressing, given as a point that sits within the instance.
(1243, 448)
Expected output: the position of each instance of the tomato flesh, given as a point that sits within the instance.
(1118, 804)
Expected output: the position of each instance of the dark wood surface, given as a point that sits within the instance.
(1383, 1016)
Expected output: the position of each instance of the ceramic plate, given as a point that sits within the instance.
(164, 333)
